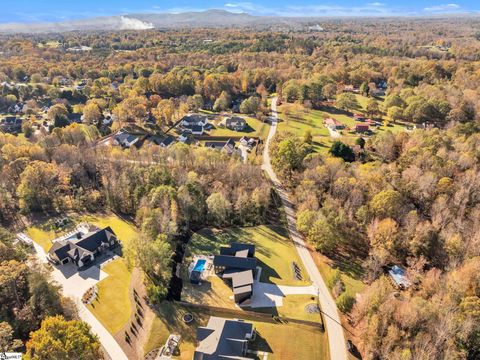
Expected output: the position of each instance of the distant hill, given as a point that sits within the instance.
(209, 18)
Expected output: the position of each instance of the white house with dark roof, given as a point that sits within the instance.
(82, 248)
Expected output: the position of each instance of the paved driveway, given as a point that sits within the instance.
(333, 325)
(271, 295)
(75, 283)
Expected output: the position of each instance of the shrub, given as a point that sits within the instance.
(345, 302)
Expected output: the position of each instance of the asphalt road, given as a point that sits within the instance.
(336, 338)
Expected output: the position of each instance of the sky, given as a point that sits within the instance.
(61, 10)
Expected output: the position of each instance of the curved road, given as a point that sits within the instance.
(336, 339)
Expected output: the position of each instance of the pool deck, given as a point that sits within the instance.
(207, 268)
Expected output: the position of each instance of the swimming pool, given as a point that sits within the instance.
(200, 265)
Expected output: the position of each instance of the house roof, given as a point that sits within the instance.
(235, 120)
(237, 246)
(196, 128)
(223, 339)
(361, 127)
(234, 262)
(215, 144)
(194, 118)
(79, 247)
(240, 278)
(331, 121)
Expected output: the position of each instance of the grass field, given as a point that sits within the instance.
(293, 308)
(296, 119)
(112, 306)
(281, 340)
(255, 128)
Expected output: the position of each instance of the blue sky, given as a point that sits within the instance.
(59, 10)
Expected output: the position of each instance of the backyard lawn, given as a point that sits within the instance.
(43, 232)
(274, 250)
(42, 235)
(125, 230)
(112, 306)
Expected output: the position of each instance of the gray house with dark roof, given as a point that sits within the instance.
(224, 339)
(237, 264)
(81, 249)
(235, 123)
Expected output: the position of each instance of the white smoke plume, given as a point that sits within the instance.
(134, 24)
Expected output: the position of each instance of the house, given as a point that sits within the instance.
(361, 128)
(162, 141)
(237, 264)
(11, 124)
(350, 88)
(236, 123)
(184, 136)
(248, 142)
(333, 124)
(16, 108)
(378, 92)
(125, 139)
(228, 147)
(398, 276)
(359, 117)
(193, 119)
(196, 129)
(224, 339)
(82, 248)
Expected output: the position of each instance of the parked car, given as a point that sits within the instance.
(350, 346)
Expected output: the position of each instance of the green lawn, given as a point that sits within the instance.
(290, 341)
(42, 236)
(294, 308)
(274, 250)
(281, 340)
(125, 230)
(112, 306)
(296, 119)
(255, 128)
(350, 274)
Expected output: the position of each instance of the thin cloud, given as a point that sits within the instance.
(443, 8)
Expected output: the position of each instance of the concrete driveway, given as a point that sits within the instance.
(271, 295)
(75, 283)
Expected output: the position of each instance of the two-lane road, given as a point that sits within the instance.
(336, 339)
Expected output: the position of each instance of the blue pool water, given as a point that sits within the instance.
(200, 265)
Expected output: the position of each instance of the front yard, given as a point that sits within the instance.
(112, 305)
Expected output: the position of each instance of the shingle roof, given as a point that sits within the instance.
(222, 339)
(78, 248)
(235, 262)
